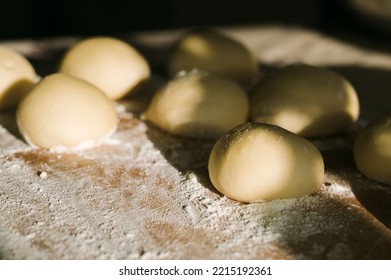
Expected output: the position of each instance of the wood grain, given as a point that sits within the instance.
(146, 194)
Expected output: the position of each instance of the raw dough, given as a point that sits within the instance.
(108, 63)
(306, 100)
(259, 161)
(17, 76)
(372, 150)
(214, 52)
(65, 112)
(198, 104)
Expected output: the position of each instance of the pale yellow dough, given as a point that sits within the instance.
(198, 104)
(261, 162)
(63, 112)
(214, 52)
(307, 100)
(372, 150)
(17, 76)
(112, 65)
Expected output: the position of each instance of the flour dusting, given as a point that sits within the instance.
(144, 194)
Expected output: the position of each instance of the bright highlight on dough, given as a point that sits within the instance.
(112, 65)
(65, 112)
(198, 104)
(257, 161)
(214, 52)
(372, 150)
(17, 76)
(307, 100)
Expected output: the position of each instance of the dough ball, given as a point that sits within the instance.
(110, 64)
(17, 76)
(65, 112)
(259, 161)
(198, 104)
(306, 100)
(214, 52)
(372, 150)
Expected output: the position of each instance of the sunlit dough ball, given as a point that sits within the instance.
(372, 150)
(198, 104)
(108, 63)
(306, 100)
(17, 76)
(261, 162)
(65, 112)
(214, 52)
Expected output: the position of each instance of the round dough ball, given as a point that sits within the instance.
(307, 100)
(214, 52)
(372, 150)
(198, 104)
(65, 112)
(110, 64)
(260, 162)
(17, 76)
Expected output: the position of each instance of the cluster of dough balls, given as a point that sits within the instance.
(73, 108)
(267, 158)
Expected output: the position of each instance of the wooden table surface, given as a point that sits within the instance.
(146, 194)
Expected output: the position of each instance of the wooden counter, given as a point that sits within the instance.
(146, 194)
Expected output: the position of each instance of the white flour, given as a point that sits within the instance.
(145, 194)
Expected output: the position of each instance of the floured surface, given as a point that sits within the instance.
(146, 194)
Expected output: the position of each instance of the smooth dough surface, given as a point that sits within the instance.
(261, 162)
(307, 100)
(17, 76)
(372, 150)
(112, 65)
(214, 52)
(65, 112)
(198, 104)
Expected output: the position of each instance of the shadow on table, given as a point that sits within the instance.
(8, 121)
(185, 154)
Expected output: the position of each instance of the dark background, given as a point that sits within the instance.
(34, 19)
